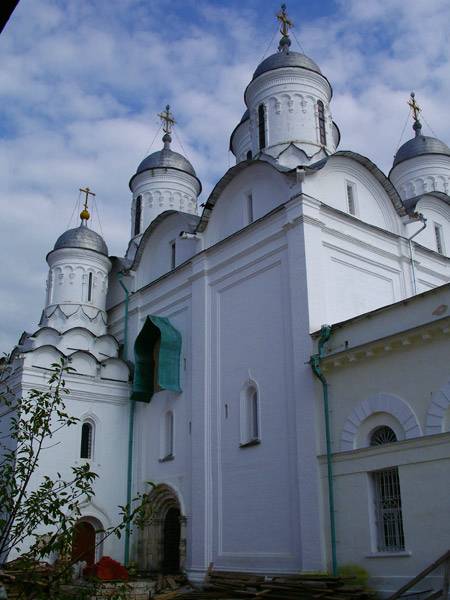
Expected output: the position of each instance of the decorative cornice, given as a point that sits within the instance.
(420, 335)
(69, 310)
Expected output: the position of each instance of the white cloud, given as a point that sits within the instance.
(81, 84)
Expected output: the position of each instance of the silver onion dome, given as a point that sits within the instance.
(166, 158)
(245, 116)
(419, 146)
(82, 237)
(286, 59)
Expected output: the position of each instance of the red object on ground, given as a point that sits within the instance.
(107, 569)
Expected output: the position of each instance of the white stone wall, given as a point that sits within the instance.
(233, 305)
(163, 189)
(67, 302)
(290, 98)
(436, 212)
(242, 141)
(105, 404)
(268, 189)
(391, 370)
(422, 174)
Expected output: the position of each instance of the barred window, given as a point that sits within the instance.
(388, 510)
(321, 114)
(87, 440)
(382, 435)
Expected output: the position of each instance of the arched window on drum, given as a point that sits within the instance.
(87, 439)
(321, 117)
(262, 126)
(137, 215)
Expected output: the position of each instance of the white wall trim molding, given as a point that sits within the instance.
(382, 402)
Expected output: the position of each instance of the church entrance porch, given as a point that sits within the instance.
(162, 542)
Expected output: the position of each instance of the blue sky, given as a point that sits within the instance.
(81, 83)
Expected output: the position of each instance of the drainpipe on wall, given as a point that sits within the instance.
(315, 359)
(424, 221)
(130, 424)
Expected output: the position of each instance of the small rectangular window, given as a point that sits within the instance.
(388, 511)
(172, 255)
(351, 206)
(439, 238)
(249, 207)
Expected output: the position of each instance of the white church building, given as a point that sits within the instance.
(276, 445)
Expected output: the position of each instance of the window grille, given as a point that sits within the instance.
(90, 288)
(351, 199)
(321, 114)
(137, 215)
(438, 237)
(262, 126)
(388, 511)
(87, 436)
(382, 435)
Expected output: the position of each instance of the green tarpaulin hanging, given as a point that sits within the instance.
(157, 352)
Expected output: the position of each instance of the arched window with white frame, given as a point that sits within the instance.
(87, 439)
(250, 416)
(167, 441)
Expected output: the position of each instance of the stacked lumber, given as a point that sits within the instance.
(309, 587)
(170, 586)
(221, 585)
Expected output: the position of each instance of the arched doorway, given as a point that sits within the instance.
(171, 541)
(162, 542)
(87, 541)
(83, 544)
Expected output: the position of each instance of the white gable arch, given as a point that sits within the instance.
(379, 403)
(438, 414)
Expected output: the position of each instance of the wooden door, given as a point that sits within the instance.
(171, 542)
(83, 545)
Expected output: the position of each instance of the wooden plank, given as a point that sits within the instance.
(437, 563)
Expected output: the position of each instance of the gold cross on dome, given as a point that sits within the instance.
(85, 213)
(286, 23)
(414, 106)
(167, 120)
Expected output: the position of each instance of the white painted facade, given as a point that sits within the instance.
(281, 248)
(391, 368)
